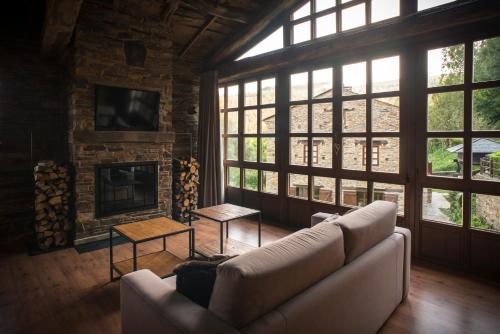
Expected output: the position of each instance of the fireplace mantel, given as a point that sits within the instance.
(99, 137)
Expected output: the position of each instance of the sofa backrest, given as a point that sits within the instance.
(366, 227)
(256, 282)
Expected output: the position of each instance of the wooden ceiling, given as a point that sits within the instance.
(201, 28)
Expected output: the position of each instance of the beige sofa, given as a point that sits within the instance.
(342, 277)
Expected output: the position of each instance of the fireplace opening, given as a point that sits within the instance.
(126, 187)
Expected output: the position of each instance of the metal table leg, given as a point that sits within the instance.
(134, 248)
(222, 237)
(260, 227)
(110, 254)
(227, 229)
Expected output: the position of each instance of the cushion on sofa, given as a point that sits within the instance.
(195, 279)
(366, 227)
(256, 282)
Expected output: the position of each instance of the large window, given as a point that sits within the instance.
(463, 134)
(318, 18)
(248, 127)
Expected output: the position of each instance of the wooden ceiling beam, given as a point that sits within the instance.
(193, 40)
(59, 24)
(223, 12)
(253, 32)
(169, 11)
(116, 5)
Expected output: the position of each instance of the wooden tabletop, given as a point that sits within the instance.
(150, 229)
(225, 212)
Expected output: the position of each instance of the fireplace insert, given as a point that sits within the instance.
(126, 187)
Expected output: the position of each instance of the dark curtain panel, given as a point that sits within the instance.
(209, 142)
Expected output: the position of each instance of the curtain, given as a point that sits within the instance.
(209, 152)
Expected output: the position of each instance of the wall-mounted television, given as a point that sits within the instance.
(122, 109)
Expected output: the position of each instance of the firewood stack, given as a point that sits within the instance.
(52, 223)
(186, 176)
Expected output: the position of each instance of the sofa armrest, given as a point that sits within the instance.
(407, 261)
(149, 305)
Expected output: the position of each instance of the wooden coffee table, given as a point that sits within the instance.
(162, 263)
(221, 214)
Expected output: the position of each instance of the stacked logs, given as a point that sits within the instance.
(52, 223)
(186, 176)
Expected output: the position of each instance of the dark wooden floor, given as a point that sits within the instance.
(67, 292)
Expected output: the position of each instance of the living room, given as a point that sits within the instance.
(234, 166)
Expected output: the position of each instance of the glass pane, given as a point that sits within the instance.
(353, 17)
(221, 123)
(442, 206)
(385, 75)
(267, 91)
(298, 86)
(354, 79)
(486, 159)
(392, 193)
(352, 153)
(298, 185)
(269, 182)
(250, 181)
(233, 177)
(385, 114)
(272, 42)
(268, 120)
(303, 11)
(487, 60)
(324, 4)
(322, 151)
(445, 157)
(250, 149)
(324, 189)
(267, 150)
(385, 155)
(232, 122)
(425, 4)
(384, 9)
(354, 116)
(445, 66)
(353, 193)
(322, 83)
(299, 151)
(251, 93)
(221, 99)
(301, 32)
(486, 109)
(485, 212)
(322, 118)
(250, 121)
(445, 111)
(326, 25)
(232, 148)
(232, 96)
(298, 119)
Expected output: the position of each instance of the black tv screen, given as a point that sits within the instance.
(122, 109)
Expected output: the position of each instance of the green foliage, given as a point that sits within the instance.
(251, 179)
(478, 221)
(250, 153)
(454, 212)
(234, 176)
(495, 157)
(441, 159)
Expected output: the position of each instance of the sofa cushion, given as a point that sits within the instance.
(195, 279)
(254, 283)
(366, 227)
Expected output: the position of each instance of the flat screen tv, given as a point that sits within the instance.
(122, 109)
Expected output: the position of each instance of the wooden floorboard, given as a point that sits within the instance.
(67, 292)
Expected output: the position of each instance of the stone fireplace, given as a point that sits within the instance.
(134, 54)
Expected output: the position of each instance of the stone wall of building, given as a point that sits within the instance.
(117, 48)
(488, 207)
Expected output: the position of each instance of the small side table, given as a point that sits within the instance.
(221, 214)
(162, 263)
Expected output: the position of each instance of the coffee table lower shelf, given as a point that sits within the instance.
(161, 263)
(231, 247)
